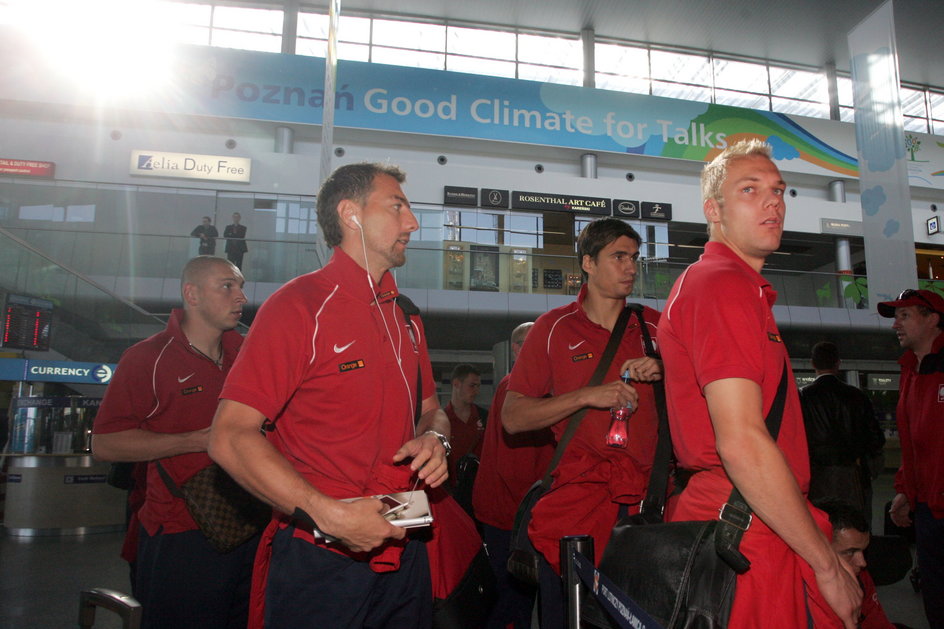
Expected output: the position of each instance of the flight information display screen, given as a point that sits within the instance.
(27, 323)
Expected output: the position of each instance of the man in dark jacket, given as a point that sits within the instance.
(842, 433)
(235, 235)
(207, 235)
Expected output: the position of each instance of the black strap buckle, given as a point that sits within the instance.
(735, 516)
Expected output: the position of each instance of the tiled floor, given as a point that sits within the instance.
(40, 578)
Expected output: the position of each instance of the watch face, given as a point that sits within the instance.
(442, 440)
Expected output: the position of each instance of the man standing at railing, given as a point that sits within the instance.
(207, 235)
(724, 359)
(919, 320)
(235, 235)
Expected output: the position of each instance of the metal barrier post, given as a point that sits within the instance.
(572, 586)
(122, 604)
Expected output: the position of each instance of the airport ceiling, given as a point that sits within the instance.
(810, 33)
(805, 32)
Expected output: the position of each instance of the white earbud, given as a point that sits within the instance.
(356, 221)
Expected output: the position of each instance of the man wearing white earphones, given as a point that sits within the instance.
(332, 369)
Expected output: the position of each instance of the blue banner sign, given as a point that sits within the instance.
(208, 81)
(28, 370)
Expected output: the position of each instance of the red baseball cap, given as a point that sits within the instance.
(912, 297)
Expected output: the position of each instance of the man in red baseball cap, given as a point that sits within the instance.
(919, 320)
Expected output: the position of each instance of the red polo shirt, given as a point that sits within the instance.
(162, 385)
(510, 464)
(464, 437)
(338, 375)
(559, 355)
(718, 324)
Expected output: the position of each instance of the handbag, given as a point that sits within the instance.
(524, 559)
(683, 574)
(467, 468)
(469, 604)
(121, 475)
(226, 514)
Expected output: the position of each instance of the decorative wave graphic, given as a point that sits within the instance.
(788, 139)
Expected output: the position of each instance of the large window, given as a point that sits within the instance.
(445, 47)
(549, 57)
(517, 229)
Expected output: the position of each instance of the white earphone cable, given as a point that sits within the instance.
(397, 349)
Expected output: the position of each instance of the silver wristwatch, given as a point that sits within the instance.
(442, 439)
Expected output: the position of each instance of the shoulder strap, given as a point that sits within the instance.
(736, 515)
(409, 309)
(653, 505)
(171, 485)
(602, 366)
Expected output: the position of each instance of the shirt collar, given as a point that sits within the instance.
(714, 248)
(173, 324)
(582, 295)
(231, 338)
(354, 279)
(910, 360)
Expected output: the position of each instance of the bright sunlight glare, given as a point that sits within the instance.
(117, 50)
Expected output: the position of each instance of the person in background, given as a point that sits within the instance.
(594, 480)
(919, 320)
(334, 367)
(207, 234)
(158, 407)
(843, 435)
(724, 360)
(466, 418)
(235, 235)
(850, 540)
(510, 465)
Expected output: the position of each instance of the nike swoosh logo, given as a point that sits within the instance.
(338, 350)
(182, 380)
(576, 345)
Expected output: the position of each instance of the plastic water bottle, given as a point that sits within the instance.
(618, 434)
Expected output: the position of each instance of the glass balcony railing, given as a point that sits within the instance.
(145, 268)
(88, 321)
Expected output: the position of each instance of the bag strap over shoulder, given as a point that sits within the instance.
(409, 309)
(735, 515)
(602, 366)
(172, 487)
(652, 509)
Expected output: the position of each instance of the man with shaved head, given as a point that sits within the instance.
(158, 407)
